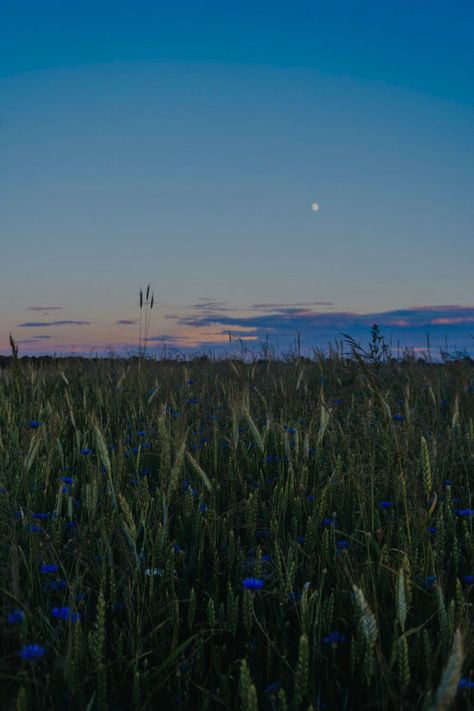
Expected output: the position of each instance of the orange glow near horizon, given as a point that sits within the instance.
(84, 339)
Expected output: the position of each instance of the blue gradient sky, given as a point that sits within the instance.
(182, 144)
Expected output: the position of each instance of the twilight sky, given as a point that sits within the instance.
(182, 144)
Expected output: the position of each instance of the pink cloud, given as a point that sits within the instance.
(448, 320)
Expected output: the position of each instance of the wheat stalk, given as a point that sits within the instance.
(197, 468)
(401, 599)
(426, 467)
(451, 675)
(369, 623)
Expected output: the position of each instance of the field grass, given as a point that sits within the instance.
(205, 535)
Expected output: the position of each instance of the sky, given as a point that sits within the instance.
(182, 144)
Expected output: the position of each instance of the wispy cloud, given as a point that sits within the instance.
(273, 307)
(211, 305)
(35, 339)
(285, 319)
(444, 308)
(281, 322)
(295, 317)
(166, 338)
(318, 325)
(452, 320)
(45, 308)
(46, 324)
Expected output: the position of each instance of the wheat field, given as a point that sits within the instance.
(220, 534)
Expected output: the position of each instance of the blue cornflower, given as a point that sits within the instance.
(67, 479)
(468, 579)
(34, 424)
(385, 504)
(432, 529)
(40, 516)
(429, 581)
(342, 544)
(34, 528)
(86, 451)
(267, 558)
(31, 651)
(465, 512)
(15, 616)
(328, 520)
(253, 583)
(399, 418)
(62, 613)
(49, 568)
(65, 613)
(56, 585)
(334, 638)
(202, 508)
(465, 683)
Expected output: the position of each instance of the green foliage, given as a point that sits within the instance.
(157, 488)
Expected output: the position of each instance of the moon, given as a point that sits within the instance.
(314, 206)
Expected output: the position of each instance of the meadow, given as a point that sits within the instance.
(239, 535)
